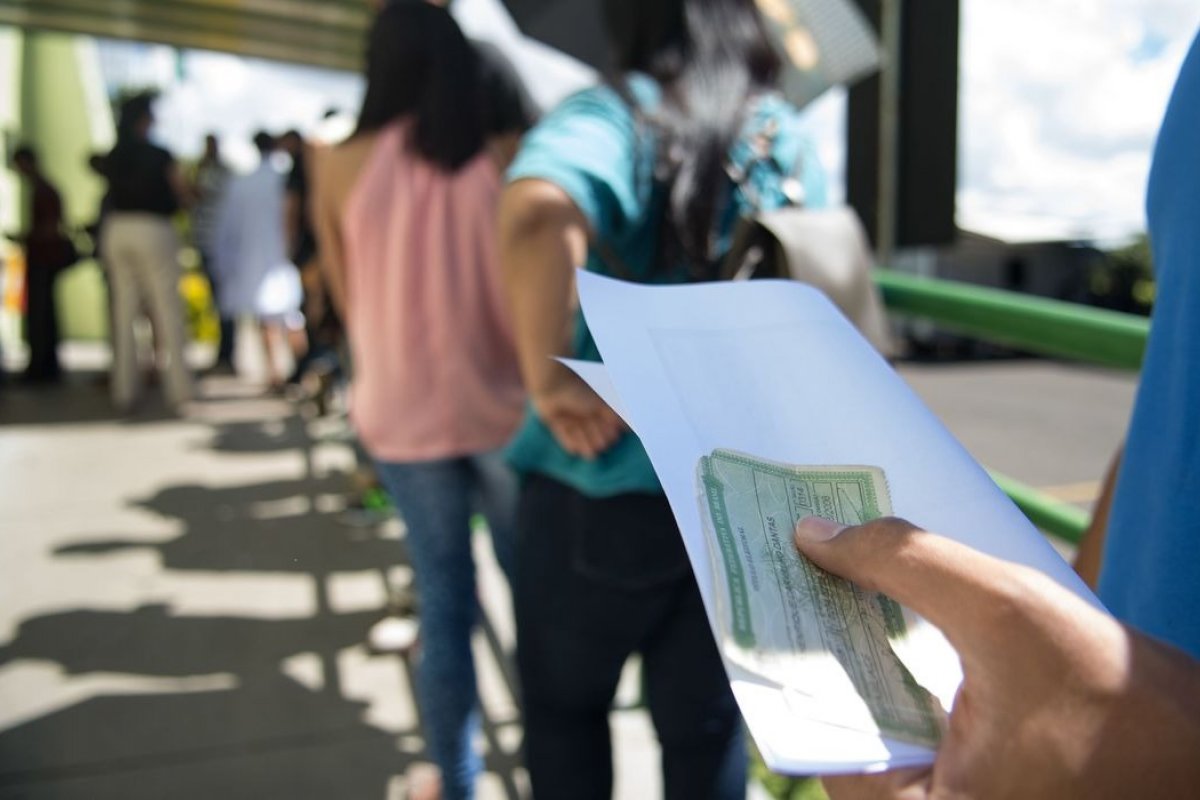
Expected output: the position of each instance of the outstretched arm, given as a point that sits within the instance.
(543, 237)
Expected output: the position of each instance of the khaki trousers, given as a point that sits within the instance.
(141, 254)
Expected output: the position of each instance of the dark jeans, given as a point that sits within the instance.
(436, 499)
(41, 323)
(598, 580)
(228, 326)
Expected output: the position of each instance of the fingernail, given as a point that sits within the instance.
(818, 529)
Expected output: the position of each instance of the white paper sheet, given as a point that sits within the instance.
(773, 369)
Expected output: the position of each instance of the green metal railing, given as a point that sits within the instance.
(1035, 324)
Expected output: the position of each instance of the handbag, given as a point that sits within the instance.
(826, 248)
(65, 254)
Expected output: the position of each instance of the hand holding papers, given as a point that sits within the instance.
(772, 369)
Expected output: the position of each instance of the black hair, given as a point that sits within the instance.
(264, 141)
(134, 110)
(25, 153)
(709, 57)
(420, 64)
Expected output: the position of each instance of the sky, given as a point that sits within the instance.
(1060, 101)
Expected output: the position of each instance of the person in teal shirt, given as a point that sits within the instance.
(591, 148)
(630, 179)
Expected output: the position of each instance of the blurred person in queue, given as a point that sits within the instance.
(47, 253)
(255, 278)
(321, 326)
(209, 182)
(141, 252)
(629, 179)
(406, 221)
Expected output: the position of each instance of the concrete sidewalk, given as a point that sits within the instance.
(183, 612)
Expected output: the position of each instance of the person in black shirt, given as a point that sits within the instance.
(140, 250)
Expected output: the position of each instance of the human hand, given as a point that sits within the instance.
(581, 422)
(1058, 700)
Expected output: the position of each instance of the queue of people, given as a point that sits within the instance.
(446, 229)
(630, 179)
(251, 234)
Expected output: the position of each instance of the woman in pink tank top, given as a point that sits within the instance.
(406, 219)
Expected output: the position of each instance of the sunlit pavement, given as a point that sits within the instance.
(183, 610)
(1051, 425)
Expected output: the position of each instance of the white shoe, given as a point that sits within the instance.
(393, 635)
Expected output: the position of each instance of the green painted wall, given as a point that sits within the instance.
(11, 46)
(66, 117)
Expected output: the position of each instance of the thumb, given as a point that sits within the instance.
(953, 586)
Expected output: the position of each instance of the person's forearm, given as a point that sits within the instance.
(543, 236)
(1091, 547)
(292, 211)
(1156, 728)
(335, 285)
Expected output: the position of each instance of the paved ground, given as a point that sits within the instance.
(1051, 425)
(182, 614)
(183, 611)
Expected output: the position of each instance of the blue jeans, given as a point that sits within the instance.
(599, 579)
(436, 500)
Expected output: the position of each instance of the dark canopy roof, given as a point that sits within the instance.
(326, 33)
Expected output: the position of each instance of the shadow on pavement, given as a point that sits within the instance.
(269, 737)
(263, 527)
(80, 398)
(260, 734)
(257, 436)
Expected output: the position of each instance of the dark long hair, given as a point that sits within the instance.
(135, 110)
(709, 57)
(420, 64)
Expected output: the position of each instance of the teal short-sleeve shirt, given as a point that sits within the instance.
(594, 148)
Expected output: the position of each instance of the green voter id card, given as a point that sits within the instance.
(824, 640)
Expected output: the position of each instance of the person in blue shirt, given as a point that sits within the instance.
(1059, 699)
(631, 179)
(1152, 582)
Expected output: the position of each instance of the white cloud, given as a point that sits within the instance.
(234, 97)
(1060, 101)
